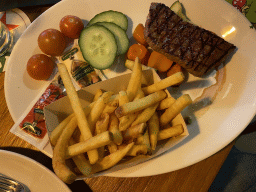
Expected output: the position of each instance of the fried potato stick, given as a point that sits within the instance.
(113, 97)
(129, 64)
(123, 98)
(111, 160)
(114, 129)
(140, 94)
(81, 162)
(111, 106)
(144, 140)
(102, 123)
(173, 131)
(126, 121)
(55, 134)
(112, 147)
(135, 80)
(145, 115)
(97, 109)
(163, 84)
(78, 110)
(137, 150)
(134, 132)
(101, 126)
(182, 102)
(140, 104)
(153, 130)
(95, 142)
(59, 153)
(166, 103)
(97, 95)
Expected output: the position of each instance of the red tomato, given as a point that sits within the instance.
(40, 67)
(52, 42)
(71, 26)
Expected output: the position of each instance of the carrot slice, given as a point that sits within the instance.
(138, 35)
(138, 50)
(174, 69)
(159, 62)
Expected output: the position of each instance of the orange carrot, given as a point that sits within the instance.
(174, 69)
(138, 35)
(138, 50)
(159, 62)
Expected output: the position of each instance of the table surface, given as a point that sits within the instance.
(197, 177)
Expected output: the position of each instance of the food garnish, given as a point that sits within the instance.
(71, 26)
(105, 116)
(197, 50)
(52, 42)
(40, 67)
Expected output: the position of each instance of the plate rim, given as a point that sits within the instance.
(30, 160)
(205, 154)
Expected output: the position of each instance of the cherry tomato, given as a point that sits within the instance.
(71, 26)
(52, 42)
(40, 67)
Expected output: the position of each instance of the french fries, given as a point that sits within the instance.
(97, 109)
(102, 123)
(113, 128)
(115, 125)
(144, 140)
(111, 160)
(134, 132)
(97, 95)
(77, 108)
(127, 120)
(111, 106)
(140, 104)
(182, 102)
(129, 64)
(170, 132)
(59, 152)
(135, 80)
(153, 129)
(167, 82)
(166, 103)
(81, 162)
(58, 130)
(95, 142)
(135, 150)
(145, 115)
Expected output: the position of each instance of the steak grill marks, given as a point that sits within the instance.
(194, 48)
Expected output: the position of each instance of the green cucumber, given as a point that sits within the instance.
(98, 46)
(177, 8)
(120, 35)
(111, 16)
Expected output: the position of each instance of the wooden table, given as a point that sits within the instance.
(197, 177)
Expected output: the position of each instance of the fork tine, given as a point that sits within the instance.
(9, 185)
(6, 187)
(4, 190)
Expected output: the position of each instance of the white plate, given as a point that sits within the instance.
(231, 111)
(29, 172)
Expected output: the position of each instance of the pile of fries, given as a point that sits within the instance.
(114, 126)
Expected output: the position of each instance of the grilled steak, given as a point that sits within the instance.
(194, 48)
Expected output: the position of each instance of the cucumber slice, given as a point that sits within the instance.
(120, 35)
(111, 16)
(176, 7)
(98, 46)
